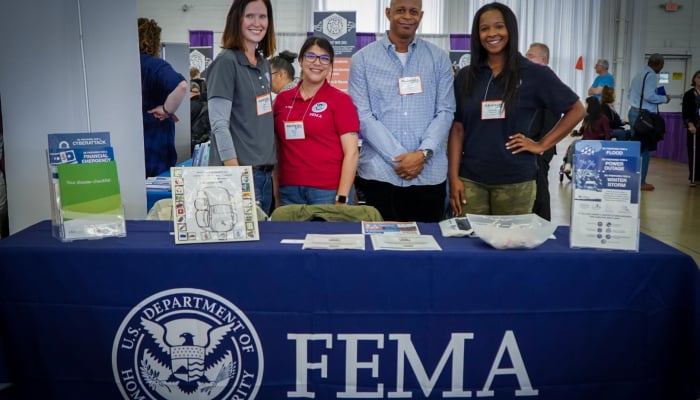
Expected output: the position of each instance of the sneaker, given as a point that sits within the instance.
(567, 168)
(692, 184)
(647, 186)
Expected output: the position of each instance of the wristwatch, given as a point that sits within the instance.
(427, 154)
(341, 199)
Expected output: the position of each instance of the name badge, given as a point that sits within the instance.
(264, 104)
(294, 130)
(493, 109)
(410, 85)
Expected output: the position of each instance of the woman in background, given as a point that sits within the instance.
(691, 117)
(617, 125)
(162, 91)
(316, 127)
(239, 95)
(283, 71)
(595, 125)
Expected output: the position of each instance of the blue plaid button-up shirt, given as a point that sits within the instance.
(392, 124)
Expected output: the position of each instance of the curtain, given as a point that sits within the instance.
(201, 38)
(459, 41)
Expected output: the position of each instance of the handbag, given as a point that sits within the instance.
(649, 128)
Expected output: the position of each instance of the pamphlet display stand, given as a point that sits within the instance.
(605, 200)
(84, 187)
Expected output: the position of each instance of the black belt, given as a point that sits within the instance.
(264, 168)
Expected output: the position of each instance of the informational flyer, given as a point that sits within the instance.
(389, 227)
(213, 204)
(91, 203)
(605, 199)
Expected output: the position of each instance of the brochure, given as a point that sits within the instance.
(334, 242)
(91, 204)
(605, 199)
(213, 204)
(389, 227)
(407, 242)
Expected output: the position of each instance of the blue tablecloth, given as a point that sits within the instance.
(126, 317)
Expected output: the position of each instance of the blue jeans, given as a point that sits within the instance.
(308, 195)
(646, 154)
(263, 190)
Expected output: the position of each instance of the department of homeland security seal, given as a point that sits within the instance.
(187, 344)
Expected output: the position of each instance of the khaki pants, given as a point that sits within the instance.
(511, 199)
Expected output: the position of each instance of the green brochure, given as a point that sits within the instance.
(91, 204)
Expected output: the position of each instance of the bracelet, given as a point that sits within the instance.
(166, 111)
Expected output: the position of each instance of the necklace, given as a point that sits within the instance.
(302, 98)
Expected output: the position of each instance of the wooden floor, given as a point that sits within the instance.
(670, 213)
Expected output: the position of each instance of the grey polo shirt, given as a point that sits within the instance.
(247, 136)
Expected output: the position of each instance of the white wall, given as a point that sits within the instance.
(43, 91)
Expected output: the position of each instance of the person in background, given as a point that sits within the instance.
(604, 78)
(316, 127)
(239, 96)
(199, 117)
(162, 91)
(401, 85)
(196, 77)
(595, 126)
(691, 118)
(646, 79)
(542, 123)
(617, 125)
(283, 71)
(492, 158)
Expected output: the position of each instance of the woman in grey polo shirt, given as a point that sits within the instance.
(239, 99)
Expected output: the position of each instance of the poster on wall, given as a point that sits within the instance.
(459, 59)
(605, 199)
(339, 28)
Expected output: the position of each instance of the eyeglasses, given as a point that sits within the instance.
(322, 58)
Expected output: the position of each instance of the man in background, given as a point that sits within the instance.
(604, 78)
(402, 87)
(541, 124)
(643, 87)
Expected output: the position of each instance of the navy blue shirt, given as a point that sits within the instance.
(485, 158)
(158, 79)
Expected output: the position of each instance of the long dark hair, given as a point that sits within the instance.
(232, 38)
(593, 113)
(511, 71)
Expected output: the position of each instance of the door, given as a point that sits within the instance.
(674, 78)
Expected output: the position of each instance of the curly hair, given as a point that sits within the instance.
(149, 37)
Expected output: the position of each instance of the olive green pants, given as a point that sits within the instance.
(511, 199)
